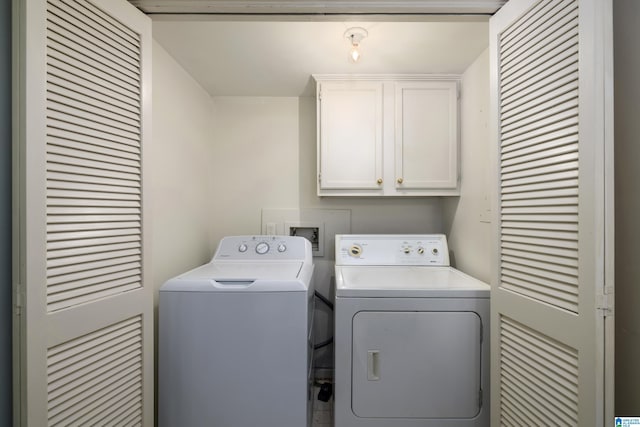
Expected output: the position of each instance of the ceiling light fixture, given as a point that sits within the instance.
(355, 35)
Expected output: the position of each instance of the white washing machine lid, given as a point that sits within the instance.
(407, 282)
(240, 276)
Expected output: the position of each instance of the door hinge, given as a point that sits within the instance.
(320, 96)
(18, 301)
(604, 302)
(320, 178)
(480, 398)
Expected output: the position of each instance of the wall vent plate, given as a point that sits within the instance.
(329, 222)
(314, 233)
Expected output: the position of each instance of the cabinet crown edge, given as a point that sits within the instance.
(386, 77)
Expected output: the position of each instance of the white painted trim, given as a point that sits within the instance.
(387, 77)
(608, 345)
(312, 7)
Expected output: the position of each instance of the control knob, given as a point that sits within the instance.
(262, 248)
(282, 247)
(355, 250)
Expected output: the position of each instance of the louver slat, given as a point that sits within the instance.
(69, 152)
(93, 156)
(59, 49)
(561, 118)
(58, 113)
(116, 152)
(81, 107)
(93, 36)
(59, 58)
(538, 379)
(537, 65)
(523, 29)
(103, 26)
(108, 26)
(536, 83)
(539, 154)
(548, 39)
(61, 78)
(525, 152)
(531, 27)
(538, 106)
(81, 95)
(91, 374)
(70, 138)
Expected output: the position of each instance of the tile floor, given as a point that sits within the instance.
(322, 411)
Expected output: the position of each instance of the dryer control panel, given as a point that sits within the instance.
(392, 249)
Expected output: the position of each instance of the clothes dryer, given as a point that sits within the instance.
(411, 335)
(235, 337)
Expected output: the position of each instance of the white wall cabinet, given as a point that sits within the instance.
(387, 135)
(350, 129)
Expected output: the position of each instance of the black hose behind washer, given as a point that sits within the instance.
(330, 305)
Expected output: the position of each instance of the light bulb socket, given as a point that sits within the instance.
(355, 35)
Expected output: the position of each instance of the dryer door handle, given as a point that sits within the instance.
(373, 365)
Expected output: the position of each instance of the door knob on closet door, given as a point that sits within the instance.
(379, 181)
(400, 180)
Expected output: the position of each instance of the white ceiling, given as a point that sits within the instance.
(267, 58)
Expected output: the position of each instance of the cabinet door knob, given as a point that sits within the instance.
(400, 180)
(379, 180)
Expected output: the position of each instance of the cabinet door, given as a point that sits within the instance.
(426, 140)
(350, 133)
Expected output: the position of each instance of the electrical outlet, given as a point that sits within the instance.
(271, 229)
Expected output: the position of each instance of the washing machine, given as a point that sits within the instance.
(411, 335)
(236, 337)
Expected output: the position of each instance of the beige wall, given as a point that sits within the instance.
(180, 157)
(466, 217)
(254, 161)
(627, 195)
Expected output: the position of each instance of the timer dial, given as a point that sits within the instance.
(355, 251)
(262, 248)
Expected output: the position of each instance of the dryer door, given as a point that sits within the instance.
(416, 364)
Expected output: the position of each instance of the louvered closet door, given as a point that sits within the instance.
(84, 350)
(550, 316)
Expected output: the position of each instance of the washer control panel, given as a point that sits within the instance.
(263, 247)
(386, 249)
